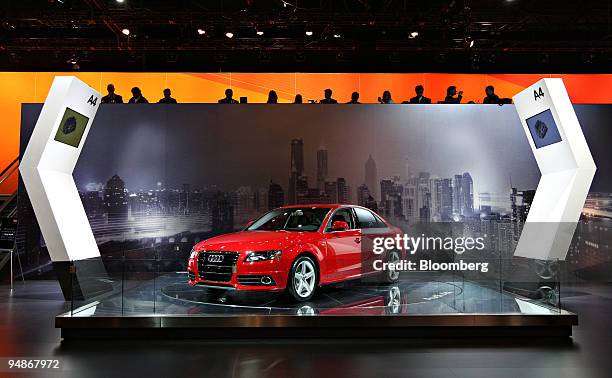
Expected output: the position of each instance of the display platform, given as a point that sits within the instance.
(429, 305)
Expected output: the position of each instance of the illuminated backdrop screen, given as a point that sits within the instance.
(170, 175)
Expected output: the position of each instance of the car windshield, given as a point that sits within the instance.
(291, 219)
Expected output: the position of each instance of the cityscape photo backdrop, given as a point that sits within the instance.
(152, 175)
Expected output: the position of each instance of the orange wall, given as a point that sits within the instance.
(23, 87)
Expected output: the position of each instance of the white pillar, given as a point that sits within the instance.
(566, 165)
(47, 165)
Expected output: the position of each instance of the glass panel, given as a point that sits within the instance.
(142, 282)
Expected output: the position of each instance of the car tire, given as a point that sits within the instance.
(303, 279)
(306, 309)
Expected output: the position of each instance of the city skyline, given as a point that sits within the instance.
(299, 190)
(225, 154)
(417, 197)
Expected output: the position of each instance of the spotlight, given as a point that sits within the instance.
(229, 35)
(468, 42)
(472, 43)
(337, 35)
(120, 1)
(126, 31)
(201, 31)
(414, 34)
(309, 32)
(260, 32)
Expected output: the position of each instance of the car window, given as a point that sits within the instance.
(344, 214)
(291, 219)
(366, 219)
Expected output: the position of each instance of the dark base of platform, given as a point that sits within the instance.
(271, 326)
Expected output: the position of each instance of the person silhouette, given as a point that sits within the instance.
(111, 97)
(386, 98)
(229, 94)
(167, 99)
(419, 98)
(137, 97)
(450, 98)
(272, 97)
(491, 97)
(354, 98)
(328, 97)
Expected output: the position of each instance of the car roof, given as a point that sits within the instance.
(324, 205)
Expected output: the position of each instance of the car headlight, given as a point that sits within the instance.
(262, 256)
(193, 254)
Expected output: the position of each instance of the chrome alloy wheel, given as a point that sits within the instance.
(394, 300)
(393, 274)
(304, 278)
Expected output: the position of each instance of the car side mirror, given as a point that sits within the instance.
(340, 225)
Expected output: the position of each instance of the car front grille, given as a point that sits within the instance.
(217, 266)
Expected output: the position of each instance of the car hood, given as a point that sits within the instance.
(244, 241)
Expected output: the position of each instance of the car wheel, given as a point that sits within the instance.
(303, 279)
(393, 300)
(391, 275)
(306, 309)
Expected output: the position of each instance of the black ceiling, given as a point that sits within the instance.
(347, 35)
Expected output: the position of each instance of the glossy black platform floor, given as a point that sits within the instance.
(419, 306)
(27, 329)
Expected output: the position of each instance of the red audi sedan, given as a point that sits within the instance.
(294, 248)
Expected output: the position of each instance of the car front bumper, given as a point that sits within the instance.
(257, 276)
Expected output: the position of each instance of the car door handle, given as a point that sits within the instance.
(357, 240)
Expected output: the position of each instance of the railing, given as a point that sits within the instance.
(7, 172)
(142, 281)
(6, 200)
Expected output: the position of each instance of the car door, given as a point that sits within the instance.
(343, 247)
(371, 227)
